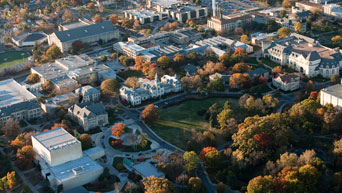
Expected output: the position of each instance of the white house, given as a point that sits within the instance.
(62, 161)
(304, 54)
(286, 81)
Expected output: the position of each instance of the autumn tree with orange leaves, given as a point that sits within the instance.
(118, 129)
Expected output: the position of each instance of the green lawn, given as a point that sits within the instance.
(14, 57)
(176, 122)
(130, 73)
(269, 62)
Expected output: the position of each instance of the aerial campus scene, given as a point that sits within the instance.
(170, 96)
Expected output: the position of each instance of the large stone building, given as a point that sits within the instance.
(304, 54)
(89, 115)
(16, 102)
(229, 23)
(90, 34)
(88, 93)
(144, 16)
(62, 161)
(150, 89)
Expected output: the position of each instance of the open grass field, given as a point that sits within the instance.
(176, 122)
(13, 57)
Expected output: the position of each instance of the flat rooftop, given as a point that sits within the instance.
(166, 3)
(75, 61)
(55, 139)
(12, 92)
(335, 90)
(142, 13)
(146, 169)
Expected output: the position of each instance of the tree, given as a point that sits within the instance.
(241, 67)
(103, 58)
(263, 184)
(11, 180)
(48, 86)
(53, 53)
(269, 101)
(277, 70)
(179, 59)
(11, 128)
(164, 62)
(132, 82)
(337, 40)
(298, 27)
(25, 156)
(286, 4)
(114, 19)
(310, 86)
(143, 140)
(78, 45)
(67, 16)
(127, 61)
(224, 116)
(284, 32)
(282, 13)
(244, 38)
(33, 78)
(97, 18)
(150, 114)
(191, 82)
(221, 187)
(217, 84)
(86, 141)
(191, 159)
(109, 86)
(195, 185)
(212, 160)
(334, 79)
(157, 185)
(118, 129)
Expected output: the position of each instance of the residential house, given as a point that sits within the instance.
(89, 115)
(286, 81)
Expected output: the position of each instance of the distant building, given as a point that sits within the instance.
(257, 73)
(223, 77)
(319, 1)
(51, 105)
(290, 24)
(221, 24)
(105, 3)
(219, 42)
(332, 95)
(144, 16)
(16, 102)
(29, 39)
(309, 6)
(88, 93)
(75, 24)
(89, 115)
(62, 161)
(90, 34)
(334, 10)
(304, 54)
(287, 81)
(190, 69)
(150, 89)
(258, 37)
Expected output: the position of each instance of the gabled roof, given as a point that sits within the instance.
(85, 31)
(88, 109)
(313, 56)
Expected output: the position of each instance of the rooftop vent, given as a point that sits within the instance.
(86, 31)
(68, 35)
(102, 27)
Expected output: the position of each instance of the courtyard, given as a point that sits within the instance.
(177, 122)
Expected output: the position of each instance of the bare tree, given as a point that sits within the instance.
(11, 128)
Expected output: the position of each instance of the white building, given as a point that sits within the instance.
(88, 93)
(334, 10)
(287, 82)
(29, 39)
(228, 24)
(332, 95)
(219, 41)
(304, 54)
(150, 89)
(89, 115)
(143, 15)
(62, 161)
(258, 37)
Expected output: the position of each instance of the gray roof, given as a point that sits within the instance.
(85, 31)
(257, 71)
(26, 105)
(190, 69)
(12, 92)
(335, 90)
(30, 37)
(313, 56)
(88, 109)
(86, 90)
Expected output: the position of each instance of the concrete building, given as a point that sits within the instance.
(51, 105)
(29, 39)
(144, 16)
(319, 1)
(333, 10)
(286, 81)
(66, 73)
(332, 95)
(309, 6)
(258, 37)
(290, 23)
(105, 3)
(150, 89)
(75, 24)
(62, 161)
(16, 102)
(89, 115)
(228, 24)
(88, 93)
(219, 42)
(90, 34)
(304, 54)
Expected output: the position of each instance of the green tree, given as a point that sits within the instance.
(216, 85)
(286, 4)
(86, 141)
(195, 185)
(262, 185)
(164, 62)
(143, 141)
(298, 27)
(212, 160)
(224, 116)
(109, 86)
(191, 159)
